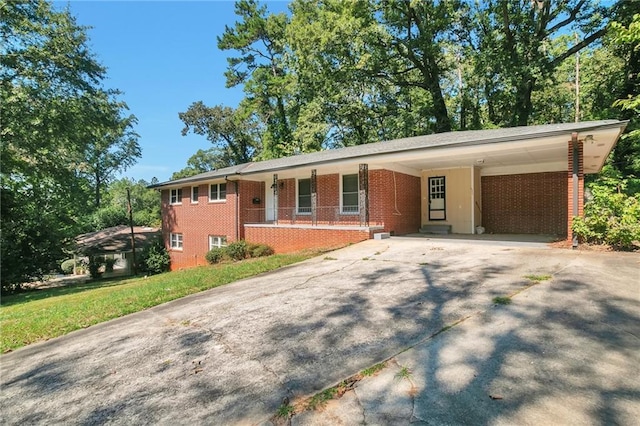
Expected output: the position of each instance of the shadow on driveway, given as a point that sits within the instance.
(233, 354)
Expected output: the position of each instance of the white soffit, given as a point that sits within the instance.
(542, 151)
(596, 148)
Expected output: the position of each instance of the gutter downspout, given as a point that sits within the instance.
(237, 207)
(576, 169)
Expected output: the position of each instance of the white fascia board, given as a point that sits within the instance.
(395, 167)
(559, 166)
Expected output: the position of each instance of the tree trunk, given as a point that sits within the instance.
(98, 183)
(285, 133)
(443, 124)
(523, 106)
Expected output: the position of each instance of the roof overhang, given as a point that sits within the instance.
(532, 149)
(533, 155)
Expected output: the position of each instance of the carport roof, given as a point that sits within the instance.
(467, 138)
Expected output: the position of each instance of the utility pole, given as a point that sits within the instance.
(461, 95)
(134, 266)
(577, 82)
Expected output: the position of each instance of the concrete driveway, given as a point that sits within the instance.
(566, 349)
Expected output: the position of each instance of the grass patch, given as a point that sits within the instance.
(320, 399)
(538, 278)
(285, 411)
(373, 370)
(404, 373)
(502, 300)
(38, 315)
(329, 258)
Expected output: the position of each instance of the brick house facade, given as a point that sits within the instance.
(517, 180)
(241, 215)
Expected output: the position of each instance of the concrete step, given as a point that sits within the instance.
(381, 235)
(435, 229)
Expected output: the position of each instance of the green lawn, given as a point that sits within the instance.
(38, 315)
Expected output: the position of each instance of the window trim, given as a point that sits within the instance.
(179, 239)
(220, 239)
(178, 197)
(298, 211)
(342, 211)
(198, 195)
(218, 199)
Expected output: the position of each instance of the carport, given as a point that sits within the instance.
(507, 182)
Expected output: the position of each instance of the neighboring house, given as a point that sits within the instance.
(518, 180)
(115, 243)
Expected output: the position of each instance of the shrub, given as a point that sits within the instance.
(155, 259)
(108, 264)
(95, 263)
(237, 250)
(610, 217)
(67, 266)
(259, 250)
(215, 255)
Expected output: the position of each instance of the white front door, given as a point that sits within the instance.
(437, 199)
(269, 203)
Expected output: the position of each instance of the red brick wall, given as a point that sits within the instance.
(196, 222)
(388, 190)
(570, 186)
(250, 212)
(284, 240)
(533, 203)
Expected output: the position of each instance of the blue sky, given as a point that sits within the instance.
(163, 55)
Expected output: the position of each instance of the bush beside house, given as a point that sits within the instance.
(155, 259)
(238, 250)
(611, 216)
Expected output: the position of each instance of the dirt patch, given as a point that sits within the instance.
(567, 244)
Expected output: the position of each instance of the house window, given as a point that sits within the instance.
(304, 196)
(218, 192)
(194, 194)
(350, 194)
(176, 196)
(217, 241)
(176, 241)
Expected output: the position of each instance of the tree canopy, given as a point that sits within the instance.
(333, 73)
(63, 135)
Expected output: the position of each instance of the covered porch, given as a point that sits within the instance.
(527, 180)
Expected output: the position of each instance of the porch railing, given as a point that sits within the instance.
(331, 215)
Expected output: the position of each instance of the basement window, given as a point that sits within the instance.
(176, 241)
(217, 241)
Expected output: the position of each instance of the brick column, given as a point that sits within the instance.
(363, 194)
(570, 184)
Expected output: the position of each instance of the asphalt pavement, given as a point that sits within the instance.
(566, 350)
